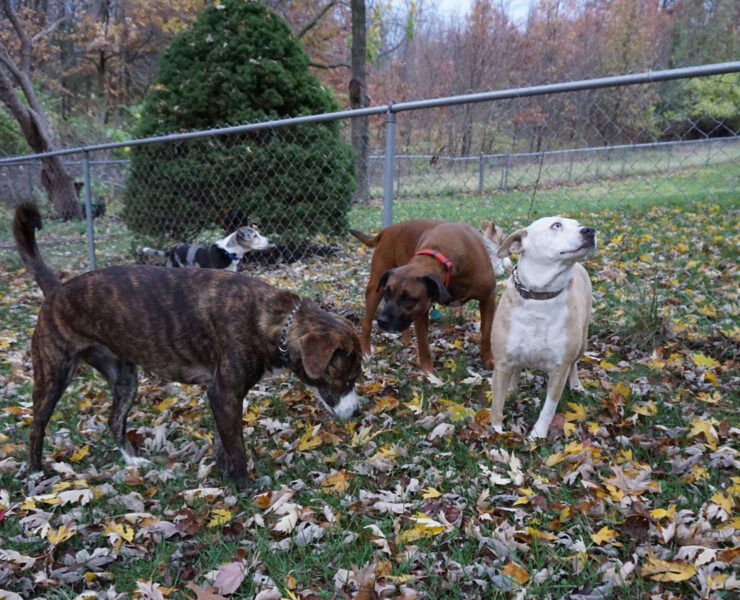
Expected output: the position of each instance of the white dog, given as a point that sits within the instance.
(542, 319)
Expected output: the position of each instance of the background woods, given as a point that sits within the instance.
(78, 70)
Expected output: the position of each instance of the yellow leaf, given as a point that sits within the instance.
(118, 533)
(416, 404)
(424, 526)
(219, 516)
(457, 411)
(664, 570)
(578, 414)
(647, 410)
(336, 482)
(700, 360)
(603, 535)
(554, 459)
(661, 513)
(84, 404)
(57, 536)
(607, 366)
(166, 403)
(386, 403)
(699, 426)
(309, 441)
(541, 535)
(724, 502)
(621, 390)
(430, 492)
(362, 437)
(617, 239)
(80, 453)
(515, 572)
(569, 428)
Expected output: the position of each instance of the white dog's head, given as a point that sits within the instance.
(550, 240)
(243, 240)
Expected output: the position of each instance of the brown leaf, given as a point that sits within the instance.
(207, 593)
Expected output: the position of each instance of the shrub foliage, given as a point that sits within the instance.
(238, 63)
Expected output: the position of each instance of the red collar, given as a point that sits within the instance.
(447, 263)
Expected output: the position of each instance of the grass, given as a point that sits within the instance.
(654, 439)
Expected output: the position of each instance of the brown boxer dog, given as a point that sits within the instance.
(422, 261)
(205, 326)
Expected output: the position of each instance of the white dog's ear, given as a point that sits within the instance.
(512, 244)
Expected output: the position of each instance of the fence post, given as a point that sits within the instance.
(506, 171)
(480, 173)
(390, 150)
(88, 210)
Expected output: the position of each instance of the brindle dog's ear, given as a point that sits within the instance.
(512, 244)
(383, 279)
(316, 351)
(436, 289)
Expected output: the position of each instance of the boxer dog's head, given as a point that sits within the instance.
(409, 292)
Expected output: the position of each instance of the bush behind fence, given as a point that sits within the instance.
(195, 190)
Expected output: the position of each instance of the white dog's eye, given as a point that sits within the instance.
(556, 226)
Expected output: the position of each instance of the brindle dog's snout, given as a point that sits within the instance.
(384, 322)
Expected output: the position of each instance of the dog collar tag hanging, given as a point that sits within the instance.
(435, 314)
(446, 262)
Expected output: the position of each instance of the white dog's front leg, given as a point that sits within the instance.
(555, 385)
(543, 422)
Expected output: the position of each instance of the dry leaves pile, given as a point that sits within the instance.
(637, 489)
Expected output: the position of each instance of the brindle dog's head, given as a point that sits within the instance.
(408, 295)
(331, 360)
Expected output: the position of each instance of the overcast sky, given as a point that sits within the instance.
(518, 9)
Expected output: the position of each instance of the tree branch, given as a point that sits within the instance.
(315, 21)
(334, 66)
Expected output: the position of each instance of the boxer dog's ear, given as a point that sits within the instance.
(436, 289)
(383, 279)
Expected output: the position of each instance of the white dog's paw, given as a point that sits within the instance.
(498, 428)
(537, 433)
(135, 461)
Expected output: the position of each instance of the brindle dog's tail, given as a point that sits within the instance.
(27, 221)
(369, 240)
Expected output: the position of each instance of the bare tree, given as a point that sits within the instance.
(15, 87)
(358, 98)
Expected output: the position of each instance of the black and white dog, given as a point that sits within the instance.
(224, 254)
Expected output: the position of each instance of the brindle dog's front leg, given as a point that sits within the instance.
(228, 445)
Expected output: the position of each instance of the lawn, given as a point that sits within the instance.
(635, 493)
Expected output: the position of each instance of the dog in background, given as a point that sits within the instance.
(200, 326)
(223, 254)
(493, 237)
(542, 317)
(421, 261)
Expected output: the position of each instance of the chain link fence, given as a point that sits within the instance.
(502, 155)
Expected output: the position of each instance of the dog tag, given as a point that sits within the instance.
(435, 314)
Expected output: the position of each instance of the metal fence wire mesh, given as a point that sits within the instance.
(560, 152)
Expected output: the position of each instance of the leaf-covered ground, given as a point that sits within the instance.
(636, 493)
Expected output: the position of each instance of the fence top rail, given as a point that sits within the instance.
(522, 92)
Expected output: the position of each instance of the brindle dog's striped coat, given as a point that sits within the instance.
(205, 326)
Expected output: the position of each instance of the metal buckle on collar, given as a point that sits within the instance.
(529, 294)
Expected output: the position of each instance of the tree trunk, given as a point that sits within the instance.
(358, 98)
(54, 178)
(30, 116)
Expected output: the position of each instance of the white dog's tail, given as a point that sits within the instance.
(153, 252)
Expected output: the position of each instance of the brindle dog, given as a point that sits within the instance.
(204, 326)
